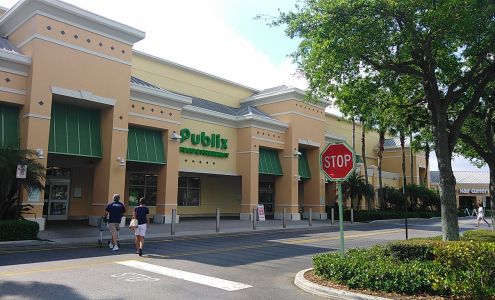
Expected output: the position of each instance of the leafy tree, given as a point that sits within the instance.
(446, 47)
(478, 140)
(9, 187)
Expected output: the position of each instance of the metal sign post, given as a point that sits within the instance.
(341, 219)
(338, 161)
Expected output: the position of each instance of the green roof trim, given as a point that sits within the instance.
(145, 145)
(9, 127)
(75, 130)
(269, 163)
(303, 165)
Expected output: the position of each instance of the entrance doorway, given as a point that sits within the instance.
(57, 187)
(266, 196)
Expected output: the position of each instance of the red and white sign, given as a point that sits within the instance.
(338, 161)
(261, 212)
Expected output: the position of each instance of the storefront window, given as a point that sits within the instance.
(189, 191)
(142, 185)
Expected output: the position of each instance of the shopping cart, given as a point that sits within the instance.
(103, 226)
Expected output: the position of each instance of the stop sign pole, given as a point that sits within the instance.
(338, 161)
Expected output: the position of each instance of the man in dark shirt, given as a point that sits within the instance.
(115, 212)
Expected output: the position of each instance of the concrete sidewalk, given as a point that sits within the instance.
(78, 232)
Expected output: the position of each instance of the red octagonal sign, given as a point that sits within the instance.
(338, 161)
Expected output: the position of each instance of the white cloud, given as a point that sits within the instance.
(194, 33)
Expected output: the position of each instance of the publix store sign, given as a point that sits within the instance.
(209, 143)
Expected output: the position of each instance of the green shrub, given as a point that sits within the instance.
(479, 235)
(14, 230)
(461, 269)
(412, 250)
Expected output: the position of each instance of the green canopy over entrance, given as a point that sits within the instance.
(269, 163)
(9, 127)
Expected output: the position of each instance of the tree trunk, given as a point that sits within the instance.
(450, 224)
(353, 134)
(363, 151)
(427, 163)
(381, 141)
(411, 156)
(402, 142)
(492, 192)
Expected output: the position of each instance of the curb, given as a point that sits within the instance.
(327, 292)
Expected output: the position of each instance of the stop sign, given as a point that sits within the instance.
(338, 161)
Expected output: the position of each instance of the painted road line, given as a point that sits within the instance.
(223, 284)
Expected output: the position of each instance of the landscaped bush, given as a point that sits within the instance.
(13, 230)
(461, 269)
(479, 235)
(364, 215)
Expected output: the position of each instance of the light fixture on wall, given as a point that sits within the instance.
(39, 153)
(297, 177)
(296, 153)
(121, 161)
(175, 136)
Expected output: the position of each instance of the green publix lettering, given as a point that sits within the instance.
(213, 140)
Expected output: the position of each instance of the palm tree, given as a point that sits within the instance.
(355, 185)
(9, 184)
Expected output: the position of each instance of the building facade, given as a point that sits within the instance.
(472, 188)
(107, 119)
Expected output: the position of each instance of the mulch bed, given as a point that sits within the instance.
(316, 279)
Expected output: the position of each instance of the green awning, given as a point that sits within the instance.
(269, 163)
(75, 130)
(145, 145)
(9, 127)
(303, 165)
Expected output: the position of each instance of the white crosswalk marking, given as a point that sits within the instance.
(193, 277)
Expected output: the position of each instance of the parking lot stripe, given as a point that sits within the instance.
(223, 284)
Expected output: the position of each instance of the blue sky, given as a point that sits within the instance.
(220, 37)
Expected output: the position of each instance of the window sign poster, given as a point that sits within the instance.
(77, 192)
(261, 212)
(21, 171)
(34, 195)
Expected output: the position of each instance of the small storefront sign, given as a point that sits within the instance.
(473, 191)
(261, 212)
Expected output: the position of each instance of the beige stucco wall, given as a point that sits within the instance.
(222, 192)
(183, 80)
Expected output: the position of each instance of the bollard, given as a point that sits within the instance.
(333, 217)
(284, 225)
(310, 217)
(352, 215)
(254, 218)
(172, 227)
(218, 220)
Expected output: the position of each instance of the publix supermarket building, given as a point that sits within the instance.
(107, 119)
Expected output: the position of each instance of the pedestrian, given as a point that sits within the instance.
(141, 214)
(115, 211)
(481, 215)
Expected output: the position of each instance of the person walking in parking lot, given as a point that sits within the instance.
(115, 212)
(141, 214)
(481, 215)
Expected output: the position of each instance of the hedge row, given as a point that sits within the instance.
(14, 230)
(463, 269)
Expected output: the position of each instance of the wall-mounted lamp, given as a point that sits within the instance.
(175, 136)
(296, 153)
(39, 153)
(121, 161)
(297, 177)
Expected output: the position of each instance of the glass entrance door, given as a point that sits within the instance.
(58, 200)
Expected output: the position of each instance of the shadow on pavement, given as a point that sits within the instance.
(37, 290)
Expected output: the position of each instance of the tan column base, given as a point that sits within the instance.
(165, 219)
(288, 216)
